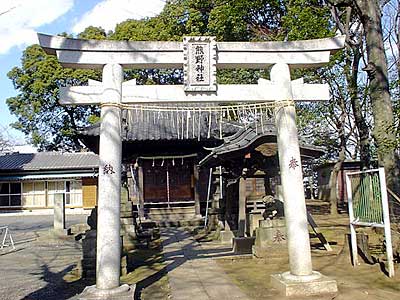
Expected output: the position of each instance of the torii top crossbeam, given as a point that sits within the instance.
(200, 57)
(75, 53)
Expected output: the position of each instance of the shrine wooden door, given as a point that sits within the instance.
(171, 183)
(180, 183)
(155, 185)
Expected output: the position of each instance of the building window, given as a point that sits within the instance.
(70, 189)
(34, 193)
(73, 193)
(10, 194)
(55, 191)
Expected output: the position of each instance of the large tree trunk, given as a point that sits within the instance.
(362, 127)
(370, 15)
(353, 57)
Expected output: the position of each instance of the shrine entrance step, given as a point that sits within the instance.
(171, 214)
(195, 222)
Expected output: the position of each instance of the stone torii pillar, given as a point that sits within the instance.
(108, 238)
(291, 176)
(301, 279)
(108, 256)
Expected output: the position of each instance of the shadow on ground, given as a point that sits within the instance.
(149, 268)
(56, 286)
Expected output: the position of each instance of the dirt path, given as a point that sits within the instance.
(366, 282)
(192, 271)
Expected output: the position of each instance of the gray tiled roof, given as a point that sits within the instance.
(48, 161)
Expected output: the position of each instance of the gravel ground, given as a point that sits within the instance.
(36, 269)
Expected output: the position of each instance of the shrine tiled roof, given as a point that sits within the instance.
(150, 128)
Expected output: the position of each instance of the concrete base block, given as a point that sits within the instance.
(88, 268)
(79, 228)
(270, 237)
(226, 236)
(254, 222)
(315, 284)
(127, 221)
(243, 245)
(123, 292)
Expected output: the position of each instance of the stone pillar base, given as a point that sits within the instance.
(60, 231)
(123, 292)
(292, 285)
(226, 236)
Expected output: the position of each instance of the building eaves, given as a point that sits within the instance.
(48, 161)
(248, 139)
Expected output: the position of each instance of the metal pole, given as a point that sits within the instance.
(311, 180)
(208, 196)
(351, 217)
(386, 222)
(168, 195)
(136, 191)
(5, 229)
(221, 184)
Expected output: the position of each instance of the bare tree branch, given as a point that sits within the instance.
(7, 11)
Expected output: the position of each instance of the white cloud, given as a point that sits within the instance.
(108, 13)
(20, 18)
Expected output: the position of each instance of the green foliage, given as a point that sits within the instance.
(227, 21)
(49, 125)
(243, 20)
(306, 19)
(93, 33)
(141, 30)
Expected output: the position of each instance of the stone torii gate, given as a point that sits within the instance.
(199, 57)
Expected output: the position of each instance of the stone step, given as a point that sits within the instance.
(195, 222)
(171, 214)
(166, 210)
(171, 217)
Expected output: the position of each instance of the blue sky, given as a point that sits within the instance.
(20, 19)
